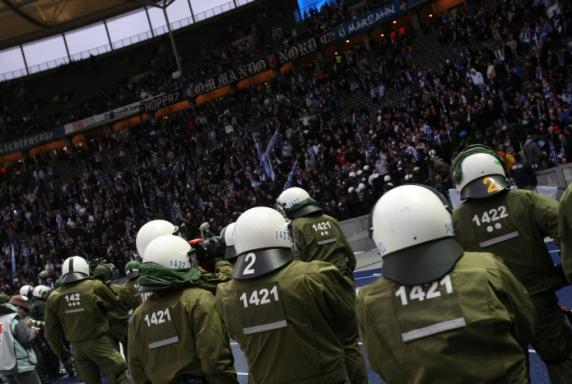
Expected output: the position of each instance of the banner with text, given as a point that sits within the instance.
(25, 142)
(296, 51)
(231, 76)
(102, 118)
(160, 101)
(369, 20)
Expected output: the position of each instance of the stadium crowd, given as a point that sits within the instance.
(509, 86)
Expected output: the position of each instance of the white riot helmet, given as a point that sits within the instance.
(387, 178)
(151, 231)
(40, 290)
(25, 290)
(478, 172)
(262, 242)
(413, 230)
(296, 202)
(170, 251)
(74, 268)
(227, 234)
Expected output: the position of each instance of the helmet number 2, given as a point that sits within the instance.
(491, 185)
(250, 259)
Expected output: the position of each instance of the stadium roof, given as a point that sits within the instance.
(25, 20)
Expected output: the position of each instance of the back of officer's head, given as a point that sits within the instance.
(103, 273)
(296, 202)
(478, 172)
(152, 230)
(74, 269)
(168, 251)
(262, 242)
(413, 230)
(227, 234)
(132, 269)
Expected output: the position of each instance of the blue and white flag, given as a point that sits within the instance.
(290, 180)
(265, 163)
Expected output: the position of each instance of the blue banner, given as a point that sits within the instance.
(367, 21)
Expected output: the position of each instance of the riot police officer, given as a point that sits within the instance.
(565, 230)
(78, 312)
(175, 335)
(291, 318)
(439, 314)
(317, 236)
(38, 302)
(222, 270)
(512, 224)
(118, 323)
(132, 298)
(227, 234)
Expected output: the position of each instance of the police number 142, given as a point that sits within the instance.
(418, 292)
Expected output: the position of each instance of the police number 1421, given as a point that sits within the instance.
(322, 226)
(418, 292)
(259, 297)
(157, 317)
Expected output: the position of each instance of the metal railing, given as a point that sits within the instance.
(178, 24)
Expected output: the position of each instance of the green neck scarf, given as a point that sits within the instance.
(157, 276)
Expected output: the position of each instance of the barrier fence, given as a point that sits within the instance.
(551, 182)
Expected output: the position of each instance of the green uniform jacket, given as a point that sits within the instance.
(291, 323)
(222, 273)
(78, 312)
(513, 225)
(319, 237)
(177, 333)
(119, 314)
(473, 326)
(565, 230)
(129, 294)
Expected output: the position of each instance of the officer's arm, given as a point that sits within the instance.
(211, 340)
(545, 213)
(298, 240)
(53, 331)
(381, 357)
(134, 363)
(109, 302)
(565, 232)
(515, 297)
(336, 297)
(223, 270)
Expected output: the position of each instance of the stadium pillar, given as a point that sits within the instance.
(66, 45)
(173, 45)
(25, 61)
(149, 21)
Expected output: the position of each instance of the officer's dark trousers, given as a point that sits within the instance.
(553, 339)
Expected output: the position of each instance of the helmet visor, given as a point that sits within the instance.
(484, 187)
(422, 263)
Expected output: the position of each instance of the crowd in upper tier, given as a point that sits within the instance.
(509, 85)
